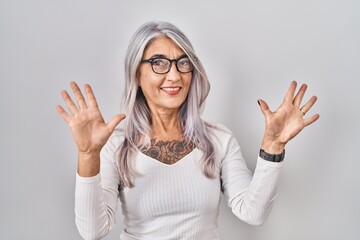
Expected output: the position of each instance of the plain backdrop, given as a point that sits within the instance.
(250, 49)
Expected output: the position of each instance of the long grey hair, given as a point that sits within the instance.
(138, 119)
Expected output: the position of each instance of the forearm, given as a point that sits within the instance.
(254, 205)
(88, 164)
(91, 211)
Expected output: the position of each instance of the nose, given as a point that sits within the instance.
(173, 74)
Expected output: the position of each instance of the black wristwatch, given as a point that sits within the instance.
(272, 157)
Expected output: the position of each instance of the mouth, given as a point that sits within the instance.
(171, 90)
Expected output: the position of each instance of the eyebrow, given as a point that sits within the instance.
(163, 56)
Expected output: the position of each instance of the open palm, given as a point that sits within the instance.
(87, 125)
(288, 120)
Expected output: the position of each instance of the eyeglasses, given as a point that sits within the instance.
(161, 65)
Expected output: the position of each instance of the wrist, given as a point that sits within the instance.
(88, 154)
(88, 164)
(272, 147)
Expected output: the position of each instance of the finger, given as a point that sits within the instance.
(79, 96)
(69, 102)
(63, 113)
(90, 95)
(299, 96)
(291, 92)
(115, 121)
(309, 104)
(264, 108)
(313, 118)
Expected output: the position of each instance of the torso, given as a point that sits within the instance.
(171, 201)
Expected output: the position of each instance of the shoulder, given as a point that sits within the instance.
(221, 136)
(218, 131)
(225, 143)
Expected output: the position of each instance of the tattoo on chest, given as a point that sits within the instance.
(168, 152)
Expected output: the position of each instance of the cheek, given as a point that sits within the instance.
(149, 84)
(188, 81)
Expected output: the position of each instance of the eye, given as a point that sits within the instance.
(159, 62)
(185, 63)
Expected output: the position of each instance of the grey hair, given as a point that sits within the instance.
(137, 125)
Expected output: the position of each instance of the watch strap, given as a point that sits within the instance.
(272, 157)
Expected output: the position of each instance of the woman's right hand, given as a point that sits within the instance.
(88, 127)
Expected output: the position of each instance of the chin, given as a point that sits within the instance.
(173, 105)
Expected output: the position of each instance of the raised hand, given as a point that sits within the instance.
(87, 125)
(288, 120)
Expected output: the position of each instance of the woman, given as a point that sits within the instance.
(167, 166)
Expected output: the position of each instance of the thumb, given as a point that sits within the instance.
(115, 121)
(264, 108)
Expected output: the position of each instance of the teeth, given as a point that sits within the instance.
(171, 89)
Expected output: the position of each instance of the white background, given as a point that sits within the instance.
(250, 49)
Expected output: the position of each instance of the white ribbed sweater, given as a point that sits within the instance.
(175, 201)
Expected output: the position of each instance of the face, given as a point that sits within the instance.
(167, 91)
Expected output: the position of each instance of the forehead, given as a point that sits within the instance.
(163, 46)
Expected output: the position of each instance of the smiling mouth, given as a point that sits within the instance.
(171, 89)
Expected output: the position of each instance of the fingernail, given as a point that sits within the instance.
(258, 102)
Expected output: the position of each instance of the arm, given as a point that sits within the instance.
(251, 197)
(90, 133)
(96, 197)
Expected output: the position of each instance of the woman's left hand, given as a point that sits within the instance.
(288, 120)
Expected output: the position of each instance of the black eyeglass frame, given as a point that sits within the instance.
(150, 60)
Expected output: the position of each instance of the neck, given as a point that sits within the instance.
(165, 125)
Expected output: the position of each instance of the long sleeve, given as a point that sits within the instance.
(250, 197)
(96, 197)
